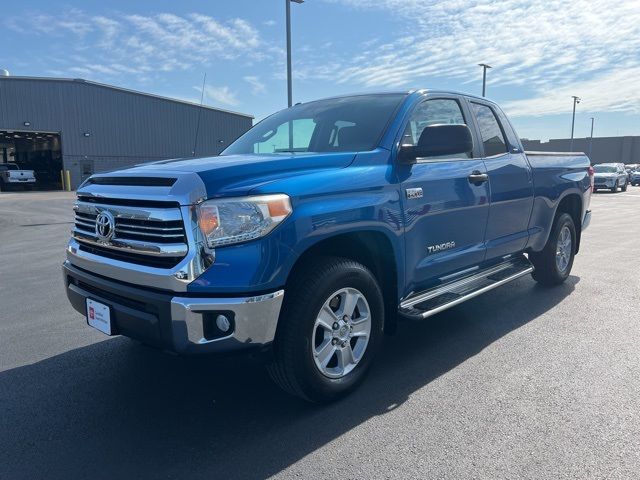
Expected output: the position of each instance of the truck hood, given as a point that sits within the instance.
(239, 174)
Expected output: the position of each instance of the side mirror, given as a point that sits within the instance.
(436, 140)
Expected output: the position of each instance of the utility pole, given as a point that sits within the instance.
(289, 80)
(591, 139)
(289, 87)
(484, 77)
(576, 100)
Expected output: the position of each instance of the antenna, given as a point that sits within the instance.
(195, 140)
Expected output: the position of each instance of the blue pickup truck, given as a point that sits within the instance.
(318, 230)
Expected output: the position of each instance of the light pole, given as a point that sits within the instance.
(576, 100)
(591, 139)
(484, 76)
(289, 89)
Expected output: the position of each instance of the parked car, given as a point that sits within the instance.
(630, 168)
(309, 244)
(610, 176)
(12, 176)
(635, 177)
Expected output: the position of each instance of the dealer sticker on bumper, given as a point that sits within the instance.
(99, 316)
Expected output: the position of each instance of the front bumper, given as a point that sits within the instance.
(181, 324)
(16, 181)
(604, 182)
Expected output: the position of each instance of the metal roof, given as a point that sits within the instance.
(122, 89)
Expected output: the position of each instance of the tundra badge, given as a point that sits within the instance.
(441, 247)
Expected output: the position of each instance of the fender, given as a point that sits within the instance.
(553, 182)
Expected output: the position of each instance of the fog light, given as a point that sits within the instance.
(217, 324)
(223, 323)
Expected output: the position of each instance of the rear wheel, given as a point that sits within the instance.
(329, 330)
(553, 264)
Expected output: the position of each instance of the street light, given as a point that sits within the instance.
(591, 139)
(484, 76)
(289, 90)
(576, 100)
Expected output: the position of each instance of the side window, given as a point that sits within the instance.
(512, 137)
(433, 112)
(492, 136)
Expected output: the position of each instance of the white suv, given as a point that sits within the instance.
(610, 176)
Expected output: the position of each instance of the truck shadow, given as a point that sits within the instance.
(117, 410)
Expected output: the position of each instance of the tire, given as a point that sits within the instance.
(300, 339)
(614, 189)
(548, 270)
(624, 189)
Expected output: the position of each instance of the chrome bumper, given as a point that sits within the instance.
(180, 324)
(20, 180)
(254, 320)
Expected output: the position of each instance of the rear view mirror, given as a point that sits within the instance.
(437, 140)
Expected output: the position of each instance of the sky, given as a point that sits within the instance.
(542, 52)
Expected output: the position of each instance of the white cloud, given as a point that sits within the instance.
(145, 44)
(222, 95)
(615, 91)
(544, 47)
(257, 87)
(269, 23)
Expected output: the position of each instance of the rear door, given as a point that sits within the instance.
(510, 182)
(445, 213)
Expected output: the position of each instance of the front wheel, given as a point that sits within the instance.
(553, 264)
(614, 189)
(329, 330)
(624, 187)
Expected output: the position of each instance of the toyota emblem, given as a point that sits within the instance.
(105, 226)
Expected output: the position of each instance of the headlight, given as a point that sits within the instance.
(234, 220)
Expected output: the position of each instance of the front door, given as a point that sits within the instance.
(445, 211)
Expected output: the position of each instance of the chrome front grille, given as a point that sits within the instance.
(143, 235)
(136, 229)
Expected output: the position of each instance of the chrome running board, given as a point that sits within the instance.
(437, 299)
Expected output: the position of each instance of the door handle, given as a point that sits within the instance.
(478, 177)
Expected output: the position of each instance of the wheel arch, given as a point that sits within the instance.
(572, 205)
(372, 248)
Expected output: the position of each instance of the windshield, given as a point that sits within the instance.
(8, 166)
(346, 124)
(605, 169)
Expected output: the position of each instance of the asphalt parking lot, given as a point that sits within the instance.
(523, 382)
